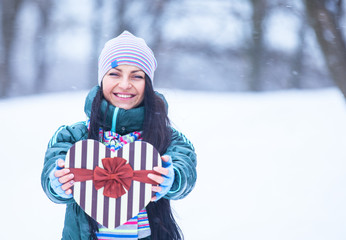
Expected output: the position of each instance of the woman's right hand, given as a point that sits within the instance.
(65, 177)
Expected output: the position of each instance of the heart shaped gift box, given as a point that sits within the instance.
(112, 187)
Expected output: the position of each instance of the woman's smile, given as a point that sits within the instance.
(124, 95)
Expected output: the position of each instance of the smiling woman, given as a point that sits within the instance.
(123, 86)
(124, 108)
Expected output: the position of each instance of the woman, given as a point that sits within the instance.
(121, 109)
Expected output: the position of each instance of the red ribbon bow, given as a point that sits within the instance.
(116, 176)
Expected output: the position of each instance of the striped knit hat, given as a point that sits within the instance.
(126, 49)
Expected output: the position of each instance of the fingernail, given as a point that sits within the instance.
(67, 171)
(155, 168)
(150, 175)
(71, 182)
(71, 176)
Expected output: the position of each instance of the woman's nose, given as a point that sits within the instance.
(125, 83)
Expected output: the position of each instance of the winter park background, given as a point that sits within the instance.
(270, 140)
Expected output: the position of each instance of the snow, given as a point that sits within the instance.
(270, 165)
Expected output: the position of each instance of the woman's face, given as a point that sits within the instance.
(123, 86)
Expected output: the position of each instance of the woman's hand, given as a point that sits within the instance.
(64, 176)
(166, 179)
(61, 180)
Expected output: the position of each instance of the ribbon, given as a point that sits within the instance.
(115, 177)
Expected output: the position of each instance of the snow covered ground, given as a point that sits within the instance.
(270, 166)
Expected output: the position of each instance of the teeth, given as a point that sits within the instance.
(124, 95)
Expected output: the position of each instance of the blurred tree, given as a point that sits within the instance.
(122, 7)
(96, 33)
(151, 17)
(259, 11)
(186, 43)
(329, 36)
(9, 14)
(45, 8)
(157, 12)
(297, 61)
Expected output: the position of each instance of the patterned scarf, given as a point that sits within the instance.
(114, 141)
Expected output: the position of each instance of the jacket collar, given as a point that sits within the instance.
(118, 119)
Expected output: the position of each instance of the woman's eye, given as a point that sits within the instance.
(139, 77)
(113, 74)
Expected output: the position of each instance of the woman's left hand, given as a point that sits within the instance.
(166, 179)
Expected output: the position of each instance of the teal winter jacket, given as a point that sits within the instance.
(125, 121)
